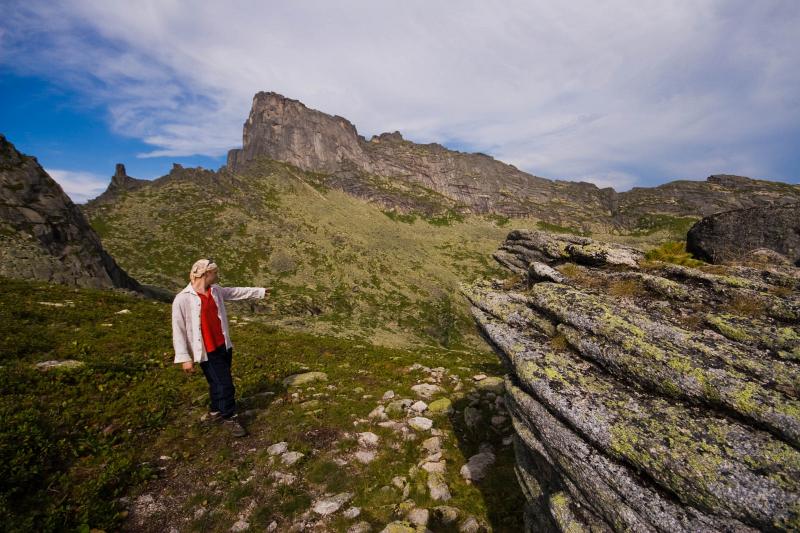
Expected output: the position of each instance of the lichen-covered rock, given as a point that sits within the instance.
(647, 397)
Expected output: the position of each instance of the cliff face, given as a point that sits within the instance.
(44, 235)
(647, 396)
(286, 130)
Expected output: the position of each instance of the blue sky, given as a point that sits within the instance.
(624, 94)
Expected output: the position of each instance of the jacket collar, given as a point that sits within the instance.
(191, 290)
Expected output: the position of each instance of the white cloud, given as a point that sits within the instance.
(79, 186)
(571, 90)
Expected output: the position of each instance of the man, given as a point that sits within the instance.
(200, 335)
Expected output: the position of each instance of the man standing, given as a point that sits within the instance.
(200, 335)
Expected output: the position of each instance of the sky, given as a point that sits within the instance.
(618, 93)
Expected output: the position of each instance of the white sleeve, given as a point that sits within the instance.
(180, 340)
(241, 293)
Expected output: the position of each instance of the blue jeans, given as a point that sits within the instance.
(220, 383)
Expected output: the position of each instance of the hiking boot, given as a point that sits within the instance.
(234, 426)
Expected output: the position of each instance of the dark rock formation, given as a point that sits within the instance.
(120, 184)
(647, 396)
(735, 235)
(285, 130)
(44, 235)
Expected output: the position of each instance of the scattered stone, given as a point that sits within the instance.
(440, 406)
(426, 390)
(282, 478)
(67, 364)
(388, 395)
(437, 466)
(420, 423)
(398, 527)
(290, 458)
(332, 504)
(296, 380)
(368, 439)
(432, 445)
(471, 525)
(437, 487)
(272, 526)
(477, 466)
(398, 407)
(444, 514)
(240, 525)
(123, 312)
(365, 456)
(145, 506)
(498, 420)
(379, 413)
(418, 517)
(352, 512)
(472, 417)
(360, 527)
(419, 406)
(479, 377)
(278, 448)
(491, 384)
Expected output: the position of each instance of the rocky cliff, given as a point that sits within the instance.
(647, 396)
(283, 129)
(734, 235)
(43, 235)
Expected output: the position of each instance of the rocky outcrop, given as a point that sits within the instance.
(401, 174)
(43, 234)
(647, 396)
(735, 235)
(120, 184)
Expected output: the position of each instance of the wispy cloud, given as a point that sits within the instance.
(574, 91)
(79, 186)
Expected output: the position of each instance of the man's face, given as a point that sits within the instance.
(211, 277)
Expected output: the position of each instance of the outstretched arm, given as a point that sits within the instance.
(242, 293)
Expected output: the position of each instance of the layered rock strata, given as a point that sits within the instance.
(647, 396)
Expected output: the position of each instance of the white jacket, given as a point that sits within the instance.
(186, 335)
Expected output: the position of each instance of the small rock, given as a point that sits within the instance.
(272, 526)
(360, 527)
(432, 445)
(420, 423)
(290, 458)
(471, 525)
(295, 380)
(67, 364)
(476, 467)
(498, 420)
(241, 525)
(379, 413)
(397, 407)
(282, 478)
(398, 527)
(278, 448)
(479, 377)
(399, 481)
(388, 395)
(472, 417)
(418, 516)
(351, 513)
(492, 384)
(440, 406)
(419, 406)
(365, 456)
(444, 514)
(426, 390)
(368, 439)
(330, 505)
(123, 312)
(438, 487)
(438, 466)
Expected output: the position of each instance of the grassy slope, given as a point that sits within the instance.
(337, 264)
(75, 441)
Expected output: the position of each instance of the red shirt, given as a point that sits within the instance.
(210, 324)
